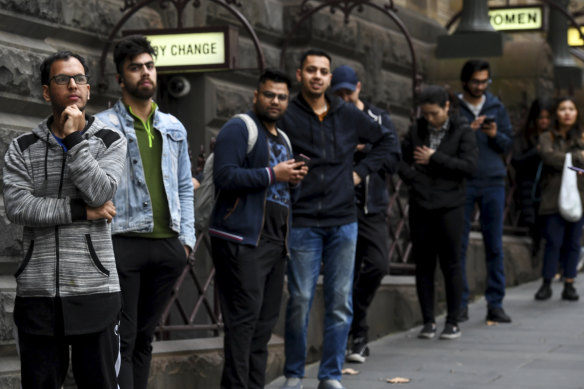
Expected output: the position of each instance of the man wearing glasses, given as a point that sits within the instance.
(153, 231)
(59, 180)
(249, 228)
(489, 120)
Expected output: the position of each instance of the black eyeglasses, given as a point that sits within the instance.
(271, 95)
(475, 82)
(64, 79)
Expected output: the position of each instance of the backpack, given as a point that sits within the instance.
(205, 196)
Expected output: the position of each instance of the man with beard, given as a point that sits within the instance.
(59, 180)
(488, 118)
(153, 231)
(249, 228)
(327, 130)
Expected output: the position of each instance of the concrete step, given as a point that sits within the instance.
(7, 295)
(8, 265)
(8, 348)
(198, 363)
(9, 372)
(7, 284)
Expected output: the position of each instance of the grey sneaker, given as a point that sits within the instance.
(330, 384)
(428, 331)
(450, 331)
(292, 383)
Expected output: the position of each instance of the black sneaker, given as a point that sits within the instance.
(569, 293)
(544, 292)
(451, 331)
(463, 315)
(498, 315)
(359, 351)
(428, 331)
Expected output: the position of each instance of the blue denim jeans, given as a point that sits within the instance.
(562, 243)
(334, 247)
(491, 201)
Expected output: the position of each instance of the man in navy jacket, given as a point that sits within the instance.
(489, 120)
(372, 199)
(325, 129)
(249, 228)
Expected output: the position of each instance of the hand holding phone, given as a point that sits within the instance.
(489, 126)
(488, 120)
(576, 169)
(302, 158)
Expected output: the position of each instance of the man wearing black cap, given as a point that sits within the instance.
(372, 198)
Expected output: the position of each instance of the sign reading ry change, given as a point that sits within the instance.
(193, 49)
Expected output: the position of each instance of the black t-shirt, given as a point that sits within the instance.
(278, 195)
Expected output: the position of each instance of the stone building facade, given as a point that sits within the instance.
(370, 42)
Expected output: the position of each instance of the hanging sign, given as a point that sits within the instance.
(574, 37)
(528, 18)
(193, 49)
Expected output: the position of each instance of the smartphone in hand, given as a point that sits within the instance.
(488, 120)
(302, 158)
(576, 169)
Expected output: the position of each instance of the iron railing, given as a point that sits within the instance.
(199, 309)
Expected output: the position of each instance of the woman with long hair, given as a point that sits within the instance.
(439, 153)
(562, 237)
(526, 161)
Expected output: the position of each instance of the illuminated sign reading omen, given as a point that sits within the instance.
(516, 19)
(193, 49)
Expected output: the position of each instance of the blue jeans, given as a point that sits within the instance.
(562, 243)
(491, 201)
(334, 247)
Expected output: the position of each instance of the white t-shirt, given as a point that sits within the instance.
(475, 109)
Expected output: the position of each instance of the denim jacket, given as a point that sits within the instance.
(132, 200)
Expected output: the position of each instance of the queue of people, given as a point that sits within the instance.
(106, 202)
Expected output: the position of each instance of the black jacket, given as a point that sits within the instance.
(372, 195)
(326, 197)
(441, 183)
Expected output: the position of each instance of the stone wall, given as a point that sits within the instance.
(371, 42)
(31, 30)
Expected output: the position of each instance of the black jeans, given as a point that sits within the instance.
(148, 269)
(250, 282)
(371, 264)
(437, 234)
(44, 360)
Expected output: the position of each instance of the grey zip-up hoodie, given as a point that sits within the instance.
(67, 279)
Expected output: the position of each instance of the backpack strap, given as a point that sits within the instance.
(285, 137)
(252, 130)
